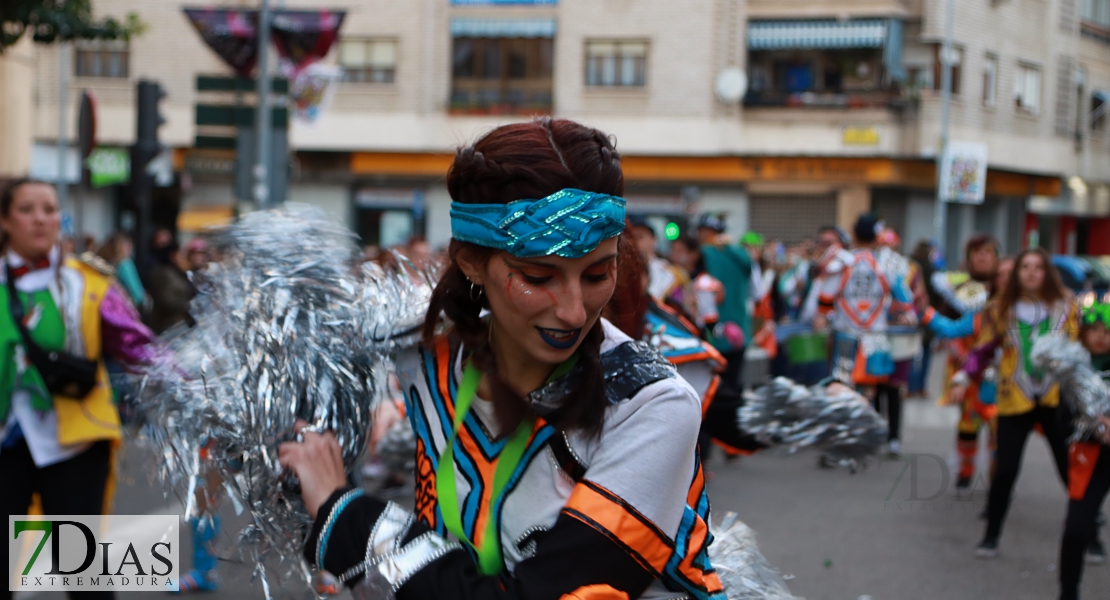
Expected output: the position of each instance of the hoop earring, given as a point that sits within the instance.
(475, 297)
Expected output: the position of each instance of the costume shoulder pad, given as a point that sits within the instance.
(94, 262)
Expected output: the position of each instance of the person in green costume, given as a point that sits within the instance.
(733, 268)
(1089, 467)
(57, 447)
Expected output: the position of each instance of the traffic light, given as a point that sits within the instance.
(148, 97)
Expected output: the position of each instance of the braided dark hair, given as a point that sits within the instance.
(529, 160)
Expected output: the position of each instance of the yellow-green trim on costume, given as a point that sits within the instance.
(94, 417)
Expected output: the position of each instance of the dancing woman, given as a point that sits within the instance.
(1033, 304)
(59, 317)
(1089, 462)
(559, 453)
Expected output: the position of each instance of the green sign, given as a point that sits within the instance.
(109, 166)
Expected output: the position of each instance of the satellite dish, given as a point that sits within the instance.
(732, 84)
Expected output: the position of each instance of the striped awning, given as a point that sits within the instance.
(786, 35)
(503, 28)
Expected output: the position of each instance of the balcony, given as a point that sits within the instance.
(853, 64)
(502, 75)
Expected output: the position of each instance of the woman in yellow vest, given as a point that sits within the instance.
(1033, 303)
(58, 419)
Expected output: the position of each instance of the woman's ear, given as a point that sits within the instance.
(473, 269)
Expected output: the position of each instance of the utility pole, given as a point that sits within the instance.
(263, 117)
(940, 217)
(63, 138)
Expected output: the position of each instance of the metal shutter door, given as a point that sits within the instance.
(792, 218)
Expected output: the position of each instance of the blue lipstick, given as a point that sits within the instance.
(560, 339)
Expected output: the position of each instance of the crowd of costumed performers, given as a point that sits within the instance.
(556, 450)
(62, 316)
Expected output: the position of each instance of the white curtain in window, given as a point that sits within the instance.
(382, 54)
(352, 53)
(1029, 88)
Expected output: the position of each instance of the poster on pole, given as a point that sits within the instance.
(964, 172)
(311, 91)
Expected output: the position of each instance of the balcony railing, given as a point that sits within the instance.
(846, 100)
(490, 100)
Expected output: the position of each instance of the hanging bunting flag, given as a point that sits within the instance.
(232, 34)
(303, 37)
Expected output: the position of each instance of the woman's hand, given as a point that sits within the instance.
(317, 462)
(385, 417)
(1104, 435)
(957, 388)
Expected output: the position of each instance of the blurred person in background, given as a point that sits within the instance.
(761, 304)
(1089, 462)
(704, 292)
(371, 253)
(118, 251)
(963, 296)
(859, 304)
(832, 256)
(418, 251)
(196, 255)
(794, 283)
(904, 345)
(1034, 303)
(666, 282)
(68, 246)
(959, 292)
(733, 269)
(922, 257)
(61, 317)
(978, 407)
(168, 284)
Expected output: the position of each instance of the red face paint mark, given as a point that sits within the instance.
(509, 293)
(534, 277)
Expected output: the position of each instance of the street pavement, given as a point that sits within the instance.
(897, 531)
(893, 532)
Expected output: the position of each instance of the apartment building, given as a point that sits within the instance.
(840, 115)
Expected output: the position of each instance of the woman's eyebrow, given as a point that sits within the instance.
(543, 265)
(524, 262)
(606, 258)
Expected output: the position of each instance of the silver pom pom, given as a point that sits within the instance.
(288, 327)
(1081, 387)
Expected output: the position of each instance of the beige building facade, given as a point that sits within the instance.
(840, 112)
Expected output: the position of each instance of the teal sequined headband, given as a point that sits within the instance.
(1099, 312)
(569, 223)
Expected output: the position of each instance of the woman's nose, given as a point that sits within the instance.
(569, 306)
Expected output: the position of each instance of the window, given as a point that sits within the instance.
(990, 79)
(1027, 90)
(502, 75)
(1097, 11)
(102, 58)
(1098, 112)
(616, 63)
(368, 60)
(956, 60)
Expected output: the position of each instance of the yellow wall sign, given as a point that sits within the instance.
(860, 136)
